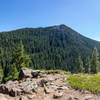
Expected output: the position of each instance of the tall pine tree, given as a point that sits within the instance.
(95, 61)
(87, 65)
(79, 68)
(20, 59)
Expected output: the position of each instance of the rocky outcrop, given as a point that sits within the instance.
(27, 86)
(16, 89)
(39, 85)
(29, 73)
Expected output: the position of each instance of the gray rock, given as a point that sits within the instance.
(35, 73)
(45, 81)
(25, 73)
(58, 94)
(29, 73)
(28, 87)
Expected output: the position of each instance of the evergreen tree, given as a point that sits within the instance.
(20, 59)
(87, 65)
(94, 61)
(79, 68)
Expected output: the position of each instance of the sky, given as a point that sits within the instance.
(81, 15)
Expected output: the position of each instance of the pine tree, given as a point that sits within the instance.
(20, 59)
(87, 65)
(94, 61)
(79, 68)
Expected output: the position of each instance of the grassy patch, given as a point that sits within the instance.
(85, 82)
(60, 71)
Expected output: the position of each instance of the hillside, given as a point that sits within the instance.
(55, 47)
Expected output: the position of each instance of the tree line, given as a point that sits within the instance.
(20, 59)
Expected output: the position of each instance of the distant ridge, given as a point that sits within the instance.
(53, 47)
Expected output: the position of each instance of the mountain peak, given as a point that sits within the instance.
(60, 27)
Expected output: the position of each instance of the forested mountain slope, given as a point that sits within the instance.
(55, 47)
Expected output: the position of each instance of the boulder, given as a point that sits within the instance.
(29, 73)
(35, 73)
(25, 73)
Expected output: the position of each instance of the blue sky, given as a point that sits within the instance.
(81, 15)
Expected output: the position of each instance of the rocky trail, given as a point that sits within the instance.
(38, 85)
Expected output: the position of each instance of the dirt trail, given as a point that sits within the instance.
(57, 89)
